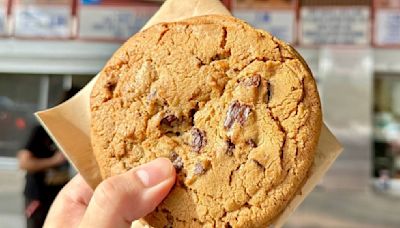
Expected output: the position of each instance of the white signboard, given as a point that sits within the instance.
(280, 23)
(43, 20)
(387, 27)
(335, 25)
(117, 23)
(3, 15)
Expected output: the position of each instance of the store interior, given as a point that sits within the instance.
(351, 46)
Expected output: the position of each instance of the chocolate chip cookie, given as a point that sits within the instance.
(235, 109)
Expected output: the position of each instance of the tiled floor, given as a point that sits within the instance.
(11, 200)
(322, 209)
(347, 209)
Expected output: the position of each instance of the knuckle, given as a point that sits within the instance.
(106, 192)
(116, 190)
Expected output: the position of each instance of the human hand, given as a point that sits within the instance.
(395, 144)
(117, 201)
(58, 158)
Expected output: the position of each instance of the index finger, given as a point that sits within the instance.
(70, 205)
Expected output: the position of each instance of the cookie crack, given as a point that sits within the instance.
(261, 166)
(298, 130)
(201, 62)
(232, 172)
(279, 51)
(111, 85)
(282, 129)
(298, 102)
(263, 59)
(224, 38)
(205, 195)
(221, 56)
(162, 34)
(279, 47)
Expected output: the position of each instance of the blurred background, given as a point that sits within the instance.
(352, 46)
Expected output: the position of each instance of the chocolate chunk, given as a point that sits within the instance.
(253, 81)
(110, 86)
(229, 147)
(173, 156)
(191, 114)
(178, 163)
(199, 139)
(251, 143)
(176, 160)
(228, 225)
(236, 112)
(169, 120)
(199, 169)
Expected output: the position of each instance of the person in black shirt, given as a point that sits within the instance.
(47, 171)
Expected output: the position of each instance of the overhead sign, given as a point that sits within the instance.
(112, 22)
(387, 27)
(3, 17)
(280, 23)
(43, 19)
(335, 25)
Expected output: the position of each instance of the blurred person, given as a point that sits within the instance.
(395, 150)
(47, 171)
(384, 179)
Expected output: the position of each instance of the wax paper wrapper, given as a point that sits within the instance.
(69, 123)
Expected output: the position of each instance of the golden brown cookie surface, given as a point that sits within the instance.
(236, 111)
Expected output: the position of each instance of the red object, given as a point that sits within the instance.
(20, 123)
(228, 4)
(31, 208)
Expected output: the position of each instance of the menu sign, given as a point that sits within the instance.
(3, 17)
(335, 25)
(112, 22)
(280, 23)
(278, 17)
(387, 26)
(43, 18)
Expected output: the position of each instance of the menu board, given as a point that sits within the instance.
(280, 23)
(278, 17)
(112, 22)
(50, 19)
(335, 25)
(387, 26)
(3, 17)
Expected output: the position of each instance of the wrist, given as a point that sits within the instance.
(52, 161)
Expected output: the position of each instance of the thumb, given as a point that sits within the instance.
(119, 200)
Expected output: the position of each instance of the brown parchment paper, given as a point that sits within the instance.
(69, 123)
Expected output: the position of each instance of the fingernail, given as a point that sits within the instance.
(155, 172)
